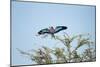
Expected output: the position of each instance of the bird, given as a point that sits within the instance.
(51, 30)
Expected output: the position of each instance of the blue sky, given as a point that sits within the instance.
(28, 18)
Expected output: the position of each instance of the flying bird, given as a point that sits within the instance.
(51, 30)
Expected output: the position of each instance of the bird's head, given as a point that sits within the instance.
(51, 27)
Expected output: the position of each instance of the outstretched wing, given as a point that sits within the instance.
(59, 28)
(43, 31)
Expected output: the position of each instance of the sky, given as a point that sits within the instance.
(30, 17)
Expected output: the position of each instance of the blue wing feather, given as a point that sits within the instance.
(59, 28)
(43, 31)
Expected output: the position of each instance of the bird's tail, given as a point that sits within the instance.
(52, 35)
